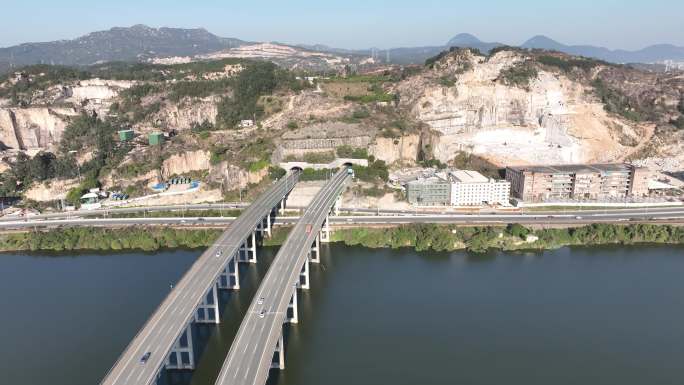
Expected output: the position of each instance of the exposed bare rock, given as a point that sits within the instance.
(304, 107)
(50, 191)
(404, 149)
(552, 120)
(231, 177)
(187, 113)
(33, 128)
(186, 162)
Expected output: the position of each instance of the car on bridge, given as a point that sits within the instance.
(145, 357)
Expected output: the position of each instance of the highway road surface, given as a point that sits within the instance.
(162, 329)
(250, 355)
(675, 215)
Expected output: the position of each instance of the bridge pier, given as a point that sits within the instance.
(248, 249)
(278, 361)
(304, 276)
(292, 306)
(268, 224)
(208, 310)
(230, 276)
(315, 253)
(282, 206)
(182, 355)
(336, 205)
(325, 231)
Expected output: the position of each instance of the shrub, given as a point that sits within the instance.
(519, 75)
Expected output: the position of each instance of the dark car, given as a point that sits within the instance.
(145, 357)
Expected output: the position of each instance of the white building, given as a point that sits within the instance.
(246, 123)
(470, 188)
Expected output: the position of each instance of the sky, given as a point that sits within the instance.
(626, 24)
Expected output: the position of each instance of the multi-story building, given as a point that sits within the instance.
(591, 181)
(470, 188)
(432, 191)
(458, 188)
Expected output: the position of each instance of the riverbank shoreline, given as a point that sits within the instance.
(421, 237)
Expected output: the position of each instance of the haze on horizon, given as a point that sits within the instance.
(626, 24)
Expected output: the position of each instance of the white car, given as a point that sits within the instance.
(218, 253)
(260, 301)
(262, 313)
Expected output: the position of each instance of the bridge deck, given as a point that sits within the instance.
(161, 330)
(249, 358)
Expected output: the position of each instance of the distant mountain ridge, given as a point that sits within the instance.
(138, 42)
(650, 54)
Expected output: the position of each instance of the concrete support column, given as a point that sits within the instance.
(268, 224)
(282, 206)
(230, 276)
(315, 253)
(337, 205)
(304, 276)
(248, 248)
(292, 307)
(252, 248)
(208, 310)
(182, 355)
(278, 361)
(325, 231)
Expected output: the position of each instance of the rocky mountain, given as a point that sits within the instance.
(466, 40)
(138, 42)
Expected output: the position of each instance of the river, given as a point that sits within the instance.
(571, 316)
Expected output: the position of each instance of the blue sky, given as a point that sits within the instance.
(360, 23)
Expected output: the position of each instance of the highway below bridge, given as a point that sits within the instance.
(664, 215)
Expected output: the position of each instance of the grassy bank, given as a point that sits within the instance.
(422, 237)
(89, 238)
(513, 237)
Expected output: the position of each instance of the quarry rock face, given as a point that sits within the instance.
(186, 162)
(184, 115)
(33, 128)
(404, 149)
(551, 120)
(233, 177)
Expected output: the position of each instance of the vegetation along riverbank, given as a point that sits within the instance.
(422, 237)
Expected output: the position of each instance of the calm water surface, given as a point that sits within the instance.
(571, 316)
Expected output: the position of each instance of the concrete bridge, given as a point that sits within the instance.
(165, 341)
(258, 345)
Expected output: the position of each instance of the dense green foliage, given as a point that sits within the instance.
(519, 75)
(351, 152)
(198, 88)
(275, 172)
(569, 64)
(422, 237)
(38, 77)
(319, 157)
(425, 237)
(617, 102)
(258, 79)
(26, 170)
(375, 172)
(89, 238)
(309, 174)
(88, 131)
